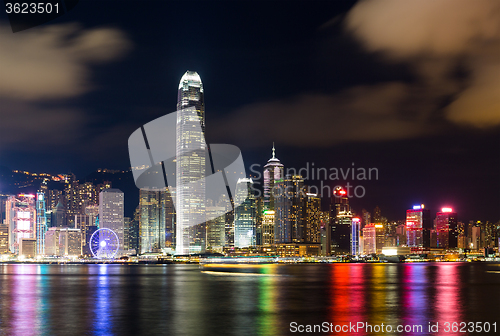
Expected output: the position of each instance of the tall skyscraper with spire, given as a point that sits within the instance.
(191, 160)
(273, 171)
(273, 174)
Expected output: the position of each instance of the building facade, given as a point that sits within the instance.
(273, 171)
(245, 214)
(341, 222)
(41, 223)
(152, 209)
(111, 213)
(21, 219)
(418, 227)
(446, 227)
(191, 165)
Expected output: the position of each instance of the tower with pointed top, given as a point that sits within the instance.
(273, 172)
(191, 157)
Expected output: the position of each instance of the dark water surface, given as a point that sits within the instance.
(182, 300)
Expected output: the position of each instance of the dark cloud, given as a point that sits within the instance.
(40, 67)
(26, 126)
(53, 62)
(452, 49)
(435, 36)
(381, 112)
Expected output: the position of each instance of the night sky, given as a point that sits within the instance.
(411, 88)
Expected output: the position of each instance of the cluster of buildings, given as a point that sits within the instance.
(59, 222)
(278, 216)
(275, 216)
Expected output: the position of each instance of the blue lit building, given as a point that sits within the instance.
(41, 223)
(244, 214)
(355, 229)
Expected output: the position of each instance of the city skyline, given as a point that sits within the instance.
(338, 95)
(434, 206)
(287, 217)
(249, 167)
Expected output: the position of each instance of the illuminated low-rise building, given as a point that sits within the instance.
(63, 242)
(396, 250)
(298, 249)
(27, 248)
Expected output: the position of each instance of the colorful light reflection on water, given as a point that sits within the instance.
(181, 300)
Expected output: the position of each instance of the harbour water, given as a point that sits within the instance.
(260, 300)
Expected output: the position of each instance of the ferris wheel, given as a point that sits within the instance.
(104, 244)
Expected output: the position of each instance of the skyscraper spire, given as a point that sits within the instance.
(274, 156)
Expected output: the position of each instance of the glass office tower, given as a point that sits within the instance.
(244, 214)
(191, 159)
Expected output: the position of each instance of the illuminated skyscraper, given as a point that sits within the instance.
(259, 216)
(190, 166)
(355, 239)
(475, 237)
(244, 214)
(41, 225)
(87, 223)
(446, 227)
(369, 239)
(418, 227)
(273, 171)
(111, 203)
(377, 215)
(152, 208)
(268, 228)
(216, 230)
(59, 218)
(290, 210)
(52, 197)
(379, 237)
(341, 219)
(77, 196)
(312, 219)
(283, 200)
(21, 218)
